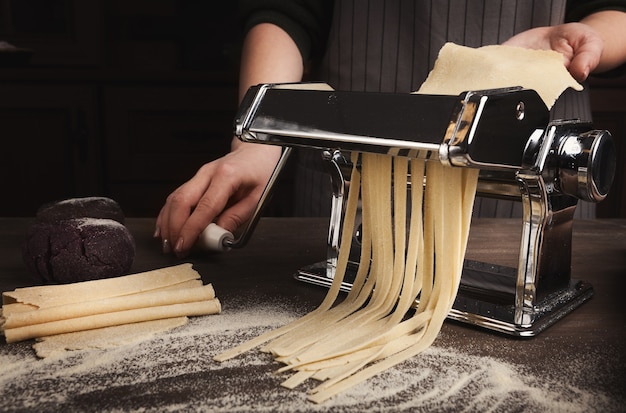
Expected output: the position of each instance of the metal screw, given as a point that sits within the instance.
(519, 111)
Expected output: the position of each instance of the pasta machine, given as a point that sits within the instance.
(546, 165)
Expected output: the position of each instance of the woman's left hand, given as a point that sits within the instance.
(580, 45)
(594, 45)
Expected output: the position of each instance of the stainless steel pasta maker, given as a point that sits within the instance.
(506, 133)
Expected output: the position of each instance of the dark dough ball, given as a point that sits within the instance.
(78, 250)
(89, 207)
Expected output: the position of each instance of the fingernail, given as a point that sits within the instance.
(166, 246)
(178, 249)
(157, 232)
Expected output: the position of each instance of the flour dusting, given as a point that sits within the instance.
(175, 371)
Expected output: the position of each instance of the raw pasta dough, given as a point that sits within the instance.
(459, 69)
(75, 311)
(374, 328)
(53, 295)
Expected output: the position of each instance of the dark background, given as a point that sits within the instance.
(126, 99)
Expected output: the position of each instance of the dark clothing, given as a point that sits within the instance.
(308, 21)
(390, 46)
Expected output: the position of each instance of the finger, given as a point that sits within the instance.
(161, 229)
(212, 203)
(580, 67)
(585, 59)
(179, 206)
(161, 222)
(582, 48)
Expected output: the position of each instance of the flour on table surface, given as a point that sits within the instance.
(174, 371)
(101, 338)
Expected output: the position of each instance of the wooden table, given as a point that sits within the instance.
(577, 364)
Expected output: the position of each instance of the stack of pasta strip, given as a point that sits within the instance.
(374, 327)
(166, 293)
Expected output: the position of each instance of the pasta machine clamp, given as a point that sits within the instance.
(546, 165)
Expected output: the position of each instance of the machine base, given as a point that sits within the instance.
(486, 297)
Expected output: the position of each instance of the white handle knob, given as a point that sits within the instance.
(214, 238)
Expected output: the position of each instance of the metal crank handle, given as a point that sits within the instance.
(216, 238)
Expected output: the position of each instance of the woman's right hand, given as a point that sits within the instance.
(225, 191)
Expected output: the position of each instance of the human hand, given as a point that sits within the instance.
(580, 45)
(225, 191)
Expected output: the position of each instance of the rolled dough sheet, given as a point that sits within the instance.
(103, 338)
(460, 68)
(108, 305)
(8, 310)
(70, 325)
(53, 295)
